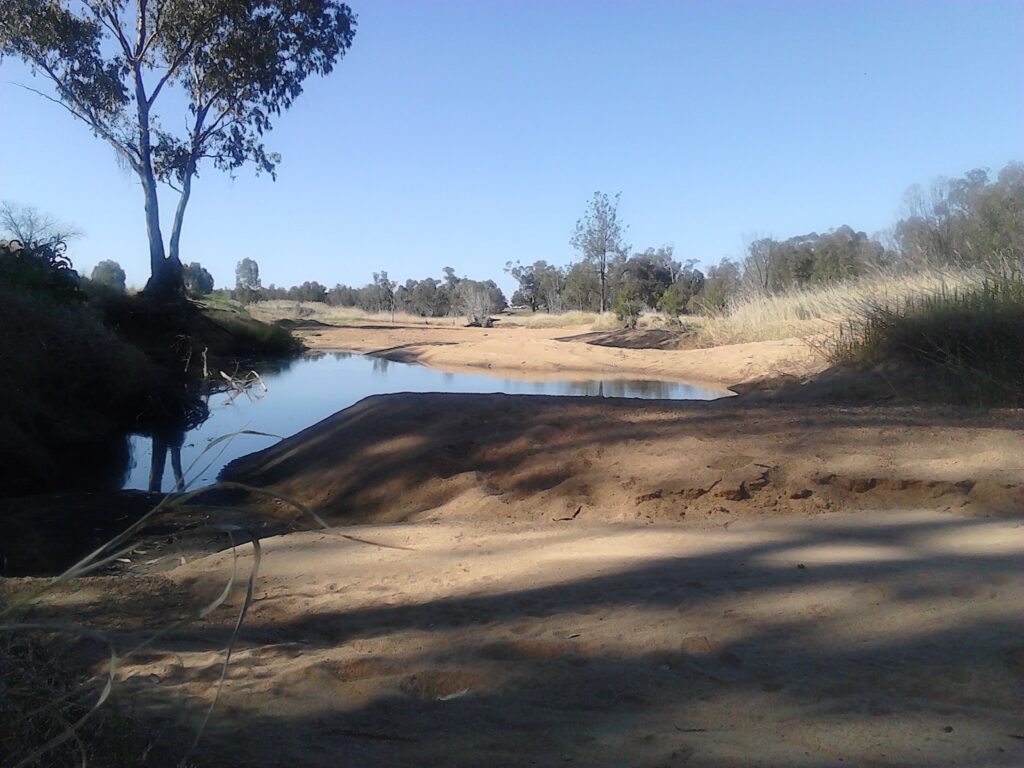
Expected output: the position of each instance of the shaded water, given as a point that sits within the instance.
(309, 389)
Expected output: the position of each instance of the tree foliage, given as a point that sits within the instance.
(247, 281)
(235, 64)
(31, 226)
(108, 273)
(198, 281)
(598, 237)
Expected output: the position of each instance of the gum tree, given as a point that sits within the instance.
(598, 237)
(236, 64)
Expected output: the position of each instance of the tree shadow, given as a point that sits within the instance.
(875, 641)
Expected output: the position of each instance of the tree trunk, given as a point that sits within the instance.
(165, 280)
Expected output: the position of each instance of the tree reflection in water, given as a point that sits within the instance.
(168, 431)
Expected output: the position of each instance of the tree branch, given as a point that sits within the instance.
(171, 71)
(112, 23)
(126, 150)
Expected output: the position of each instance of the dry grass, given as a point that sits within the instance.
(803, 313)
(280, 309)
(574, 319)
(812, 312)
(269, 311)
(968, 339)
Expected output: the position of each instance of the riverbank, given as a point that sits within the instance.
(535, 580)
(79, 373)
(560, 353)
(600, 582)
(531, 459)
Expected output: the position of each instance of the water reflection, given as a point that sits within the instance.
(167, 430)
(301, 392)
(172, 442)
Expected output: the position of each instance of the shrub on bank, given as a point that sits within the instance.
(66, 379)
(970, 339)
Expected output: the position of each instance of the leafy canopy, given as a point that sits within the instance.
(238, 62)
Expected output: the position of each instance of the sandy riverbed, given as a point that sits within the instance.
(554, 353)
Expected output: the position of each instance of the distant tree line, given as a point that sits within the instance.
(429, 297)
(971, 221)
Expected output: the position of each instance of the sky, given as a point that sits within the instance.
(472, 133)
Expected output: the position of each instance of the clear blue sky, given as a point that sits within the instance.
(472, 133)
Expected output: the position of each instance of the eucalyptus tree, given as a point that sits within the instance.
(247, 281)
(598, 237)
(236, 64)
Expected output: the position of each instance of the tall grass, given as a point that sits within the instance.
(969, 338)
(822, 310)
(800, 313)
(270, 311)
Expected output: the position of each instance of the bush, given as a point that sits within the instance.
(628, 307)
(38, 267)
(109, 274)
(971, 339)
(67, 380)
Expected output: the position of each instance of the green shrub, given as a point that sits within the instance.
(628, 307)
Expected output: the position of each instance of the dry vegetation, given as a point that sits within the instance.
(799, 313)
(808, 312)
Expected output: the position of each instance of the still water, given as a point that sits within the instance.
(311, 388)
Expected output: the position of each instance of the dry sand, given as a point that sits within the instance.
(527, 459)
(553, 352)
(871, 639)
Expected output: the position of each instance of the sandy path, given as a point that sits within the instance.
(537, 353)
(870, 639)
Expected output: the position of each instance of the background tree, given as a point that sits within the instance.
(647, 278)
(198, 281)
(724, 281)
(247, 281)
(32, 227)
(969, 221)
(628, 305)
(479, 300)
(234, 63)
(541, 285)
(682, 294)
(526, 294)
(110, 274)
(385, 290)
(582, 290)
(598, 237)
